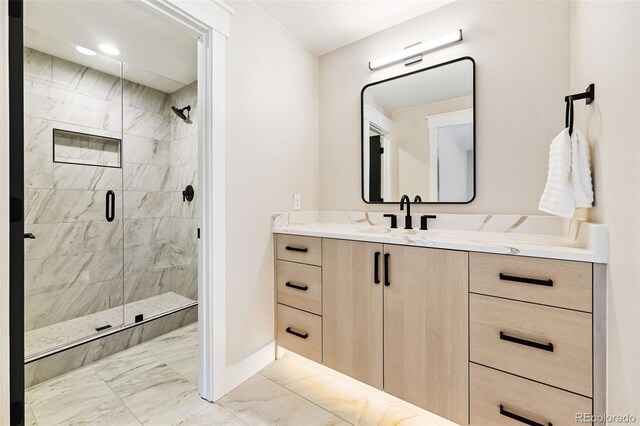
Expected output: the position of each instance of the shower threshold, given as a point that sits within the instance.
(45, 341)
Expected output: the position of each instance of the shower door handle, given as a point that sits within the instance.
(110, 206)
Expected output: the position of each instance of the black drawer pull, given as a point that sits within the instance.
(298, 249)
(376, 268)
(297, 287)
(295, 333)
(386, 269)
(543, 346)
(521, 419)
(534, 281)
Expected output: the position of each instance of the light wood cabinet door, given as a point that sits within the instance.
(352, 309)
(426, 329)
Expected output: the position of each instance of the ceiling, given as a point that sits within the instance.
(158, 52)
(326, 25)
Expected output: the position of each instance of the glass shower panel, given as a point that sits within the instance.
(160, 158)
(73, 175)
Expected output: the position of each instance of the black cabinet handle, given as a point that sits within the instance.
(534, 281)
(110, 206)
(295, 333)
(298, 249)
(386, 269)
(297, 287)
(520, 419)
(544, 346)
(376, 268)
(29, 236)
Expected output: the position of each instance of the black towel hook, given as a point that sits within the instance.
(588, 95)
(568, 115)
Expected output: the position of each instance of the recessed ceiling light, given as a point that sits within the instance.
(85, 51)
(109, 49)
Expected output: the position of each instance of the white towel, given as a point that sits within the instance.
(569, 177)
(581, 170)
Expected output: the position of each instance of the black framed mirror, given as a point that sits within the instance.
(418, 136)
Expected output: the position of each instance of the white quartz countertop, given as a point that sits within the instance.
(535, 236)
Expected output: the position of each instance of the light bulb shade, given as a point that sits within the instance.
(85, 51)
(416, 50)
(109, 49)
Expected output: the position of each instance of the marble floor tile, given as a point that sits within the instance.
(125, 365)
(162, 387)
(212, 415)
(260, 401)
(79, 397)
(356, 403)
(179, 351)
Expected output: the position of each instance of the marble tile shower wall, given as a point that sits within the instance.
(79, 263)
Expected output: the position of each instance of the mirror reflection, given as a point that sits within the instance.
(418, 136)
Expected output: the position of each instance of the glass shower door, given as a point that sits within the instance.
(160, 142)
(73, 175)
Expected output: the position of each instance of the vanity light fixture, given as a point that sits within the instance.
(413, 53)
(109, 49)
(85, 51)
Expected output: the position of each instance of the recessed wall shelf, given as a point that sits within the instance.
(86, 149)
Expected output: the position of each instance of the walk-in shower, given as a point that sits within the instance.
(111, 259)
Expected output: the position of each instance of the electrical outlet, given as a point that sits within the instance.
(297, 201)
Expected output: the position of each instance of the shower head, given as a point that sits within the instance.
(180, 113)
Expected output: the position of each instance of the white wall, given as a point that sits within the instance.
(605, 50)
(272, 152)
(521, 51)
(4, 216)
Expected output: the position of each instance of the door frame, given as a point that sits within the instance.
(373, 118)
(209, 21)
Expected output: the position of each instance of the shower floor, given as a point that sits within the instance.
(45, 339)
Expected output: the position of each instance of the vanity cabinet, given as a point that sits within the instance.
(477, 338)
(396, 318)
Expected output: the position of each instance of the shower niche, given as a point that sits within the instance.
(114, 260)
(86, 149)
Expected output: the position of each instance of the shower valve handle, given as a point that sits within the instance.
(188, 193)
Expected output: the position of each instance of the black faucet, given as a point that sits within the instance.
(407, 219)
(417, 199)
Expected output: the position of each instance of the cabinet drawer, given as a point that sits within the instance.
(546, 344)
(299, 286)
(561, 283)
(491, 389)
(300, 332)
(299, 249)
